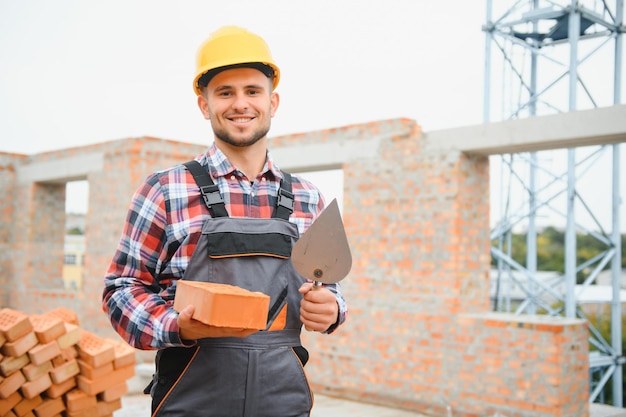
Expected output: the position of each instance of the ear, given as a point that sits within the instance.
(274, 101)
(203, 105)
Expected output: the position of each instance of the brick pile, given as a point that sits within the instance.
(50, 367)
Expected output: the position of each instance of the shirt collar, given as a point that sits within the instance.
(220, 166)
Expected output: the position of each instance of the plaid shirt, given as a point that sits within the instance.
(162, 228)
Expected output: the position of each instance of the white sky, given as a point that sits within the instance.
(79, 72)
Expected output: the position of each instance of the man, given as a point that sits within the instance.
(171, 234)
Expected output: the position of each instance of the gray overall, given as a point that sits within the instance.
(259, 375)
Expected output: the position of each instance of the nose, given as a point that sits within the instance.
(241, 102)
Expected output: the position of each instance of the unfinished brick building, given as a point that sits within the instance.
(420, 334)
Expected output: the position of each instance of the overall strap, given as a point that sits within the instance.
(285, 200)
(210, 193)
(215, 203)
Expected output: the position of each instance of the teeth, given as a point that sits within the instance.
(241, 119)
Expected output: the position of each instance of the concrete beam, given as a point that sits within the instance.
(60, 170)
(564, 130)
(326, 155)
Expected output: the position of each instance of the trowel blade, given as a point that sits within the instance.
(322, 254)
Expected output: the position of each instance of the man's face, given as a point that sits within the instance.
(240, 104)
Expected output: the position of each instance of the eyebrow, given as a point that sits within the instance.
(249, 86)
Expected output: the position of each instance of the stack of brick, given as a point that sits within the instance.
(51, 367)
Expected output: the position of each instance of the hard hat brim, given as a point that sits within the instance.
(269, 70)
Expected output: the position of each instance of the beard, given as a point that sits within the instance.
(241, 142)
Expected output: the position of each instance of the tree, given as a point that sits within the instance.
(551, 250)
(75, 231)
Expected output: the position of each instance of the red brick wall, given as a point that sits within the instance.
(520, 365)
(418, 225)
(7, 210)
(419, 333)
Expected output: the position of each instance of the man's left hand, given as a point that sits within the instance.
(318, 308)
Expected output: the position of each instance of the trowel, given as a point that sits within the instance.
(322, 254)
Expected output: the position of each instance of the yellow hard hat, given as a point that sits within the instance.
(232, 46)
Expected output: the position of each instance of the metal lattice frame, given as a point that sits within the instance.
(558, 40)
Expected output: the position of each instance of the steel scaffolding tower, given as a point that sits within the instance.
(557, 56)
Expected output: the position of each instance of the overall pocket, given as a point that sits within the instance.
(211, 385)
(282, 388)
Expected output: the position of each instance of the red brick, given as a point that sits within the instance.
(58, 361)
(44, 352)
(71, 336)
(21, 345)
(65, 371)
(65, 314)
(32, 372)
(113, 393)
(14, 324)
(94, 373)
(87, 412)
(32, 388)
(107, 408)
(223, 305)
(47, 327)
(69, 353)
(124, 354)
(8, 403)
(94, 387)
(56, 390)
(27, 405)
(78, 400)
(95, 350)
(50, 407)
(11, 384)
(12, 364)
(2, 339)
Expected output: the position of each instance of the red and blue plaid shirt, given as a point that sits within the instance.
(162, 229)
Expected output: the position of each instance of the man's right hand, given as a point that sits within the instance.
(191, 329)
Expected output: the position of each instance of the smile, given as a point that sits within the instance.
(241, 119)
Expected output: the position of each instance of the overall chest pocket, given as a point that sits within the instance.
(236, 244)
